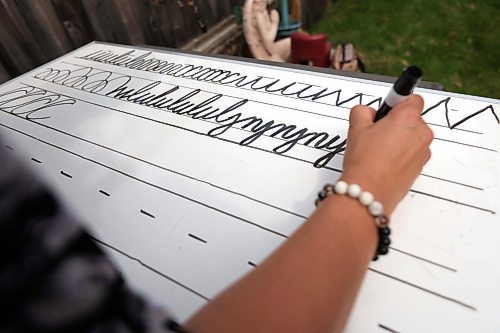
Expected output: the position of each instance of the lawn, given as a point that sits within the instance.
(455, 42)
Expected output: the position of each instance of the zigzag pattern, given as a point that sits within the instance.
(463, 120)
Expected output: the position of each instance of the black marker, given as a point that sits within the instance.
(402, 88)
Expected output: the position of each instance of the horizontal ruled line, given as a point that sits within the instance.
(445, 180)
(147, 214)
(197, 238)
(466, 144)
(105, 193)
(66, 174)
(455, 129)
(387, 328)
(453, 201)
(453, 182)
(152, 269)
(450, 299)
(424, 259)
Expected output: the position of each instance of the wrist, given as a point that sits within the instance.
(345, 216)
(374, 185)
(365, 199)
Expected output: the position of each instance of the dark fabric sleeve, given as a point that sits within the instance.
(53, 276)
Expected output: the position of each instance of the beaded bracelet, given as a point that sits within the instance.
(375, 208)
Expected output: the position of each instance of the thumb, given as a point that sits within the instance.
(361, 116)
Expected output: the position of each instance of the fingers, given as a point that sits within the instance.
(410, 111)
(361, 116)
(411, 108)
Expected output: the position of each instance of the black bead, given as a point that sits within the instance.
(383, 242)
(321, 195)
(385, 231)
(383, 250)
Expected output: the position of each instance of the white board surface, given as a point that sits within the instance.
(191, 169)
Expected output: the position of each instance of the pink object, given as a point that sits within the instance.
(312, 50)
(260, 26)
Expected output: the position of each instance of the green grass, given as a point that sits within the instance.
(455, 42)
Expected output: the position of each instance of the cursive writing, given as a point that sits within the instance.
(30, 102)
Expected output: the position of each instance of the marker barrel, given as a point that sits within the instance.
(400, 91)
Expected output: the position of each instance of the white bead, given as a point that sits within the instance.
(354, 190)
(340, 187)
(366, 198)
(376, 208)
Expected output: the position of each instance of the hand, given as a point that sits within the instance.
(386, 157)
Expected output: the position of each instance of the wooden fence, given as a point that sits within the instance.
(32, 32)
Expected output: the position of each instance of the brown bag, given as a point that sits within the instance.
(347, 59)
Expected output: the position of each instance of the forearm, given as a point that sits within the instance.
(268, 30)
(308, 285)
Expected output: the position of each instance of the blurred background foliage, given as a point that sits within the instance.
(455, 42)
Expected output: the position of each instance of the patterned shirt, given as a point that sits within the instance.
(53, 276)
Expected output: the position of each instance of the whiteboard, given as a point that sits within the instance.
(189, 170)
